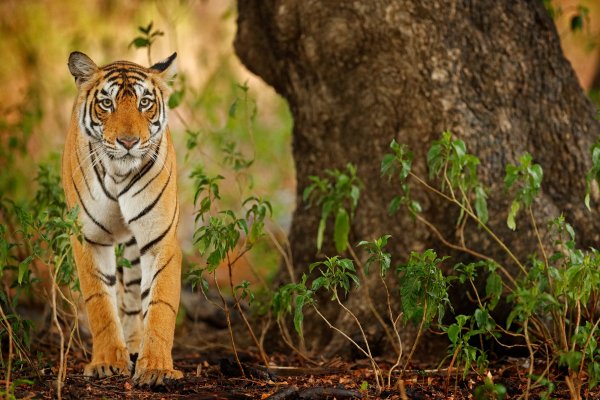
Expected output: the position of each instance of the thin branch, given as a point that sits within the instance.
(378, 317)
(476, 219)
(10, 353)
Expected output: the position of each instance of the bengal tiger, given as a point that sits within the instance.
(119, 169)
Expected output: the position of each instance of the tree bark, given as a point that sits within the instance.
(357, 74)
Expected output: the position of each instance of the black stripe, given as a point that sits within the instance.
(105, 328)
(87, 185)
(163, 65)
(143, 172)
(96, 243)
(134, 282)
(155, 302)
(119, 71)
(108, 279)
(150, 206)
(85, 117)
(130, 242)
(135, 261)
(120, 270)
(117, 181)
(130, 313)
(87, 212)
(93, 296)
(146, 292)
(101, 180)
(148, 183)
(160, 270)
(149, 245)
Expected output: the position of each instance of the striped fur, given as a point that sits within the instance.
(119, 168)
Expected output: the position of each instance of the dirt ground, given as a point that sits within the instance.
(210, 372)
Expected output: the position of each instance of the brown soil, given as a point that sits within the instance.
(213, 374)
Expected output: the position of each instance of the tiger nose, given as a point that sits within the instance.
(128, 141)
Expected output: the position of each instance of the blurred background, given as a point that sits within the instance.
(226, 120)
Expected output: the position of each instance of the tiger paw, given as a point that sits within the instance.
(156, 377)
(109, 363)
(104, 369)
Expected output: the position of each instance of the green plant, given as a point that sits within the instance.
(337, 195)
(423, 291)
(146, 39)
(553, 299)
(489, 390)
(225, 235)
(40, 235)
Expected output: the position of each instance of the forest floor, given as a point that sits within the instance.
(210, 372)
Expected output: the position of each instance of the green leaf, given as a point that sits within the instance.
(175, 98)
(233, 108)
(320, 233)
(493, 289)
(319, 283)
(341, 230)
(146, 30)
(395, 205)
(387, 164)
(139, 42)
(24, 268)
(577, 23)
(484, 320)
(481, 204)
(298, 314)
(512, 213)
(460, 148)
(453, 331)
(594, 374)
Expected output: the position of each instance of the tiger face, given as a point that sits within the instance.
(122, 110)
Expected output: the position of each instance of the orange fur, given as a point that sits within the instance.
(119, 168)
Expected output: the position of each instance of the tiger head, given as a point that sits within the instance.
(122, 107)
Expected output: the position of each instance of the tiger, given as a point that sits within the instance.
(119, 169)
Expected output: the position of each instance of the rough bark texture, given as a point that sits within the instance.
(359, 73)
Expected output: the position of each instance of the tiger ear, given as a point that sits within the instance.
(81, 66)
(166, 68)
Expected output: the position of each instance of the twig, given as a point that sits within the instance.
(284, 254)
(531, 357)
(229, 328)
(419, 333)
(10, 353)
(261, 351)
(395, 326)
(376, 369)
(476, 219)
(338, 330)
(61, 372)
(376, 313)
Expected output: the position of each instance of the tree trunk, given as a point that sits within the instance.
(360, 73)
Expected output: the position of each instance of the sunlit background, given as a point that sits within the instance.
(36, 37)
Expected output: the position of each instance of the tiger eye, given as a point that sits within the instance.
(106, 103)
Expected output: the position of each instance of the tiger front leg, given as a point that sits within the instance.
(96, 268)
(160, 301)
(129, 280)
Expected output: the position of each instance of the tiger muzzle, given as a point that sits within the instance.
(128, 141)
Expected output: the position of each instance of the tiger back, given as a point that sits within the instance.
(119, 168)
